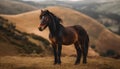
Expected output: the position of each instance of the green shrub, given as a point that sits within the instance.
(108, 53)
(45, 41)
(93, 46)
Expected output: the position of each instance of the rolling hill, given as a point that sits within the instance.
(107, 13)
(14, 7)
(100, 37)
(109, 7)
(14, 42)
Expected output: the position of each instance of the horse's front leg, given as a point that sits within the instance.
(55, 52)
(59, 52)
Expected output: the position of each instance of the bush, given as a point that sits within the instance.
(93, 46)
(108, 53)
(45, 41)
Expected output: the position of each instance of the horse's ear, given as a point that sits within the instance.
(47, 11)
(41, 10)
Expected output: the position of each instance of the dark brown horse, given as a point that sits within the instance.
(64, 35)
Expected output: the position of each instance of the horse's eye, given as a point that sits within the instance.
(43, 17)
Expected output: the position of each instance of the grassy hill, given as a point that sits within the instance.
(107, 13)
(110, 7)
(14, 7)
(101, 38)
(15, 42)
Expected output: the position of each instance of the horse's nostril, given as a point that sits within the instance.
(40, 29)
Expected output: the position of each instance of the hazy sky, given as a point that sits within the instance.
(72, 0)
(52, 0)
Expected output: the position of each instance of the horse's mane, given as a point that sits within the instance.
(56, 17)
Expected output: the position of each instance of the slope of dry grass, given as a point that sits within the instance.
(8, 48)
(14, 7)
(29, 22)
(15, 42)
(18, 62)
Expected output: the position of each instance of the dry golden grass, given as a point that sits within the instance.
(18, 62)
(8, 48)
(98, 33)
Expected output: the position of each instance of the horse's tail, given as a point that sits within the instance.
(83, 38)
(86, 44)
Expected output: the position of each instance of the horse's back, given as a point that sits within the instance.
(80, 29)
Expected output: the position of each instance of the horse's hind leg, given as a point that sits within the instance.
(78, 50)
(84, 55)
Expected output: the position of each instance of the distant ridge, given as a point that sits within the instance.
(14, 7)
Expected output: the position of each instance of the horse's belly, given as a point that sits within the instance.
(70, 38)
(65, 43)
(69, 41)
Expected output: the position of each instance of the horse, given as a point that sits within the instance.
(60, 35)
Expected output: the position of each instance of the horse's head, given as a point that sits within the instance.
(48, 18)
(44, 17)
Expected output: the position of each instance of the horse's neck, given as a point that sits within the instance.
(55, 31)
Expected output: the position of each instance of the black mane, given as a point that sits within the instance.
(55, 26)
(57, 19)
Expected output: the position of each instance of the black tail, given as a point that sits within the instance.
(86, 44)
(83, 36)
(83, 40)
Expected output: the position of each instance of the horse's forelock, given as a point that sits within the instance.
(47, 12)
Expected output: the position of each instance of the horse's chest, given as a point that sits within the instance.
(53, 39)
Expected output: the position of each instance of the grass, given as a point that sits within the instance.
(23, 62)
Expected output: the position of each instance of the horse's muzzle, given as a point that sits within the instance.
(40, 29)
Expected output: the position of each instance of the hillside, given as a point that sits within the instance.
(107, 13)
(101, 38)
(15, 42)
(14, 7)
(109, 7)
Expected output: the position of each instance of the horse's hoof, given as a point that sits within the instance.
(54, 63)
(84, 62)
(77, 63)
(59, 63)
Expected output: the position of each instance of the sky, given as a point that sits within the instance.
(72, 0)
(53, 0)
